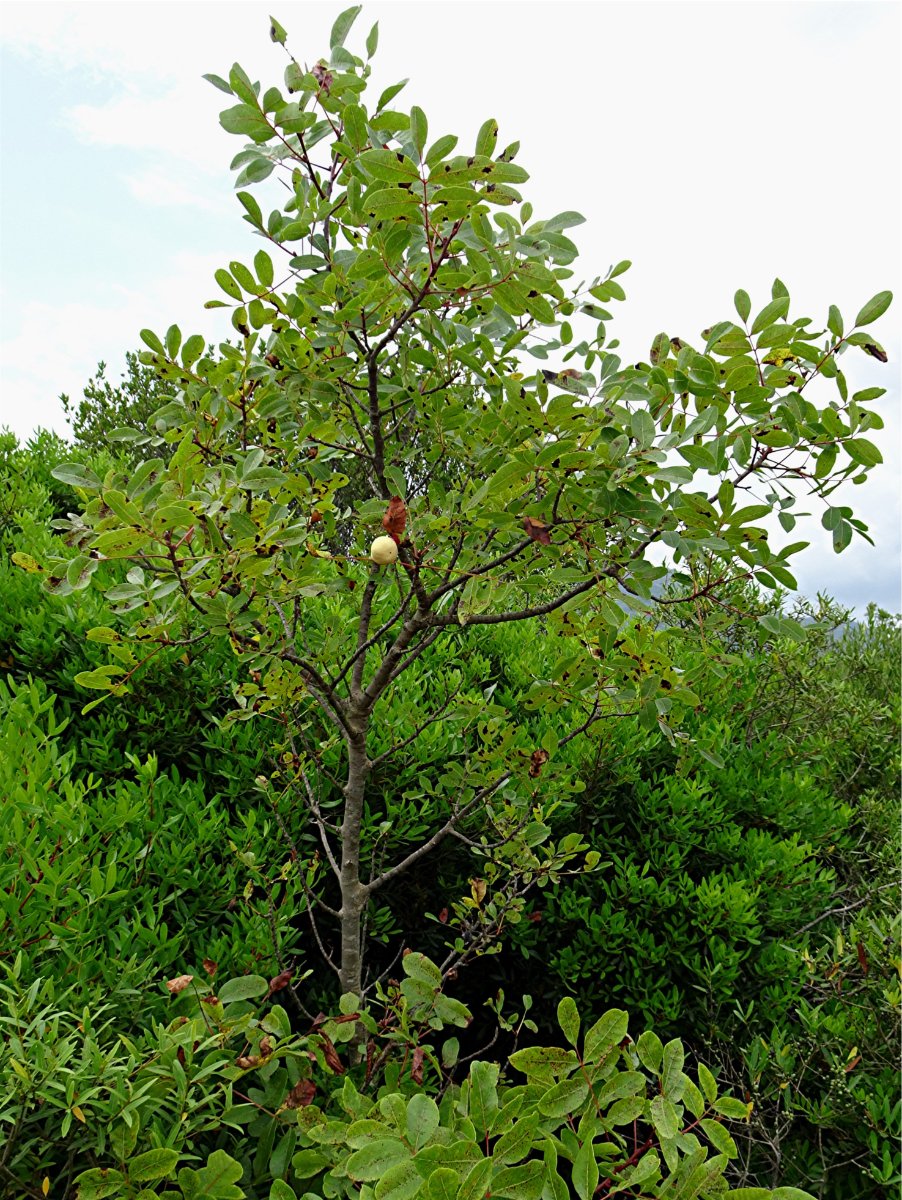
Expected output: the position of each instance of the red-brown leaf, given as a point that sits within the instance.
(395, 517)
(862, 958)
(281, 980)
(536, 530)
(331, 1055)
(416, 1066)
(537, 760)
(210, 967)
(178, 984)
(443, 916)
(301, 1094)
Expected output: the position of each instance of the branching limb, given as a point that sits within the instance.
(371, 641)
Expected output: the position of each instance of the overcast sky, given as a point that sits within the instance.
(716, 145)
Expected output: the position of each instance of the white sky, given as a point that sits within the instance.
(715, 144)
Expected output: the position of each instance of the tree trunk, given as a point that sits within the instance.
(354, 896)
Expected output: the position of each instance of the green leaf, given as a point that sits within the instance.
(565, 220)
(419, 129)
(76, 475)
(564, 1097)
(192, 349)
(476, 1181)
(442, 1184)
(253, 208)
(842, 536)
(585, 1171)
(719, 1138)
(264, 268)
(524, 1182)
(834, 321)
(218, 82)
(517, 1142)
(544, 1061)
(608, 1031)
(173, 340)
(153, 1164)
(216, 1181)
(390, 166)
(483, 1095)
(862, 451)
(247, 121)
(390, 93)
(149, 338)
(729, 1106)
(650, 1050)
(672, 1069)
(276, 32)
(627, 1110)
(342, 26)
(372, 40)
(262, 479)
(487, 137)
(99, 1183)
(373, 1160)
(568, 1019)
(244, 987)
(743, 304)
(422, 1119)
(777, 308)
(664, 1117)
(418, 966)
(228, 284)
(307, 1163)
(707, 1083)
(874, 308)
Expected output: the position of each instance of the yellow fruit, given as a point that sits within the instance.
(383, 551)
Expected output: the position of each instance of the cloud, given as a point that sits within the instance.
(181, 123)
(161, 187)
(57, 346)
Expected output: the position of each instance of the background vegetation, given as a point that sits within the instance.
(745, 901)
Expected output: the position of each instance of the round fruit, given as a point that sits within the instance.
(383, 551)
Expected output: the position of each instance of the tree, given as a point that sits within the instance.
(106, 415)
(413, 286)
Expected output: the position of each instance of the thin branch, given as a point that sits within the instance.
(363, 626)
(437, 716)
(383, 629)
(483, 570)
(480, 797)
(522, 614)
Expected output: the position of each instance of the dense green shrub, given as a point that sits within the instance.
(712, 917)
(228, 1101)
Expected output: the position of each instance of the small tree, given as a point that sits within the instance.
(412, 288)
(106, 416)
